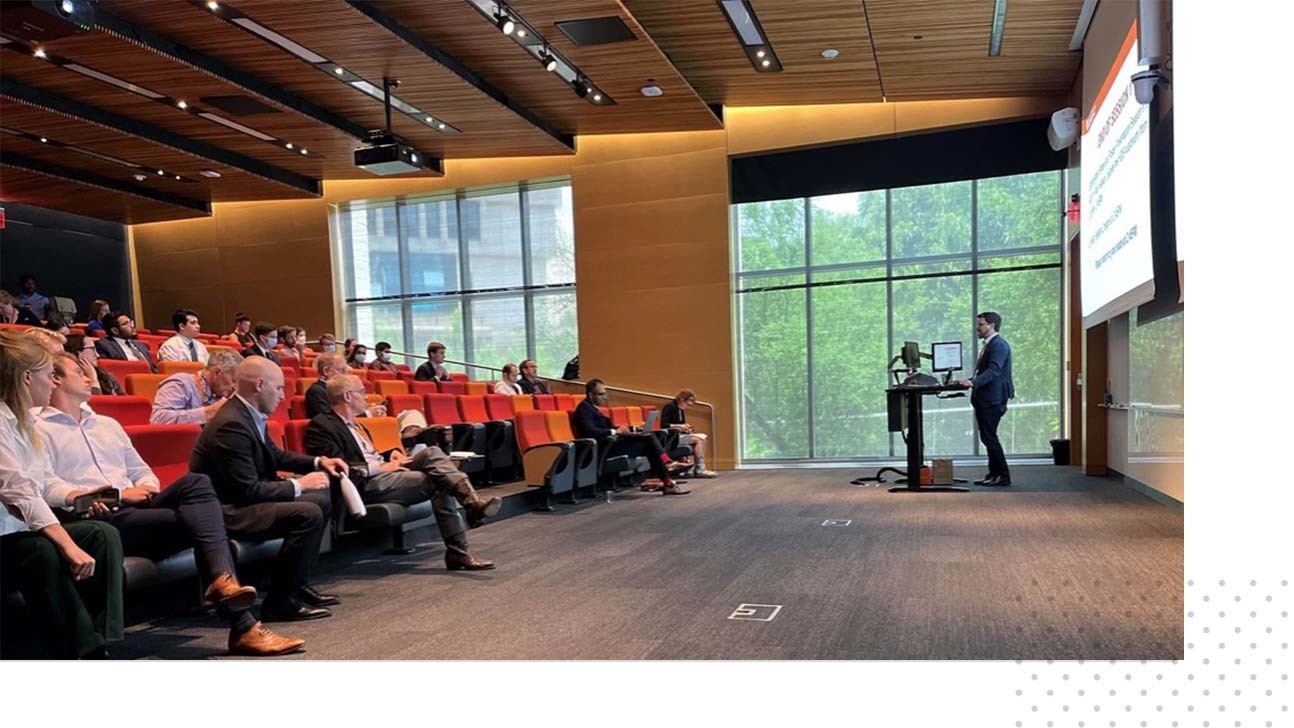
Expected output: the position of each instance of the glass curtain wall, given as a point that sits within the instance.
(828, 289)
(490, 273)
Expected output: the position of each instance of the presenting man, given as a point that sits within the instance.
(991, 388)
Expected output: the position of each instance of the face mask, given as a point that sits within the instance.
(271, 342)
(330, 348)
(384, 356)
(359, 358)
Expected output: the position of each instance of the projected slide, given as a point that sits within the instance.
(1117, 258)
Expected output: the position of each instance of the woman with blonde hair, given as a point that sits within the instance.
(671, 417)
(71, 576)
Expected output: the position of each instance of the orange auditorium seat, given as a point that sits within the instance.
(125, 410)
(171, 367)
(545, 402)
(636, 416)
(478, 388)
(521, 403)
(143, 385)
(385, 432)
(304, 383)
(165, 448)
(387, 387)
(219, 347)
(378, 374)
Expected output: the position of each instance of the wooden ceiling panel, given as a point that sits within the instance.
(344, 35)
(233, 184)
(620, 69)
(697, 36)
(951, 60)
(30, 188)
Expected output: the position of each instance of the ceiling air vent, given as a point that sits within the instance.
(595, 31)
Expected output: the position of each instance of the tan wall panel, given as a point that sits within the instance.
(178, 270)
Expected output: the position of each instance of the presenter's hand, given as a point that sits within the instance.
(965, 383)
(335, 467)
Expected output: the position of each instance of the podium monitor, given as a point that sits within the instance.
(947, 356)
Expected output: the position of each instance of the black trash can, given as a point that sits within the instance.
(1060, 452)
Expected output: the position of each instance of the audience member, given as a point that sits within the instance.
(267, 337)
(12, 313)
(382, 362)
(89, 452)
(71, 577)
(530, 382)
(242, 333)
(288, 338)
(195, 397)
(101, 382)
(51, 340)
(591, 423)
(120, 343)
(329, 365)
(29, 299)
(301, 344)
(433, 369)
(56, 322)
(428, 475)
(184, 346)
(98, 307)
(348, 347)
(328, 343)
(242, 460)
(508, 384)
(671, 417)
(358, 354)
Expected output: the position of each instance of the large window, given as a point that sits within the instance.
(828, 289)
(490, 273)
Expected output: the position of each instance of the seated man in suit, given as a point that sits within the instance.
(195, 397)
(242, 460)
(530, 382)
(591, 423)
(184, 346)
(120, 343)
(329, 365)
(428, 475)
(433, 369)
(267, 337)
(88, 452)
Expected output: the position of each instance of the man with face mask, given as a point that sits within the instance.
(194, 397)
(328, 343)
(266, 339)
(383, 361)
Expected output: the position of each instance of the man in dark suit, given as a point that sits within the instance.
(433, 369)
(267, 337)
(991, 389)
(530, 382)
(120, 343)
(237, 453)
(329, 365)
(590, 422)
(428, 475)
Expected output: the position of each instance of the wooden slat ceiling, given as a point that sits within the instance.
(343, 35)
(949, 61)
(232, 185)
(620, 69)
(21, 186)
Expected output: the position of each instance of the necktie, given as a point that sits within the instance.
(193, 352)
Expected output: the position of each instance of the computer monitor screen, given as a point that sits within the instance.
(911, 355)
(947, 356)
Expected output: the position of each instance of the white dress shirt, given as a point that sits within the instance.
(89, 452)
(128, 348)
(176, 348)
(23, 468)
(503, 386)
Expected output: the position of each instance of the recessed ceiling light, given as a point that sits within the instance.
(428, 119)
(141, 177)
(67, 7)
(651, 90)
(830, 53)
(161, 173)
(288, 145)
(597, 97)
(303, 150)
(213, 174)
(213, 4)
(40, 53)
(182, 104)
(43, 140)
(759, 54)
(765, 63)
(177, 176)
(339, 70)
(442, 125)
(521, 33)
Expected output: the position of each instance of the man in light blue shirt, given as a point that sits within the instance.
(29, 299)
(194, 397)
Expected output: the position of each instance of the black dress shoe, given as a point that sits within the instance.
(312, 598)
(292, 611)
(986, 480)
(995, 481)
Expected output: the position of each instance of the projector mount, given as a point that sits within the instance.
(386, 136)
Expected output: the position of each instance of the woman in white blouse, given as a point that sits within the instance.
(508, 385)
(70, 577)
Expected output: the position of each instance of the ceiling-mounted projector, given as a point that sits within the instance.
(385, 154)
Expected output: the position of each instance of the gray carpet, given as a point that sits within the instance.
(1058, 566)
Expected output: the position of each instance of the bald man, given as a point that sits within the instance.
(242, 460)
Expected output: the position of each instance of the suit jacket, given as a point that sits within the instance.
(328, 436)
(537, 386)
(243, 467)
(427, 373)
(317, 400)
(589, 422)
(108, 348)
(255, 350)
(992, 381)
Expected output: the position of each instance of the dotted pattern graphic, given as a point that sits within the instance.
(1235, 673)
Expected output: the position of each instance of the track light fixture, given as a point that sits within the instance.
(581, 86)
(504, 21)
(549, 63)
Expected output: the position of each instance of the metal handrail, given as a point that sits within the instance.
(714, 420)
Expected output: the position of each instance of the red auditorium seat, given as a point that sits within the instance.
(441, 409)
(564, 402)
(280, 413)
(376, 374)
(421, 388)
(499, 406)
(297, 407)
(165, 448)
(620, 416)
(119, 368)
(545, 402)
(295, 434)
(455, 387)
(459, 377)
(125, 409)
(275, 429)
(405, 375)
(397, 403)
(473, 409)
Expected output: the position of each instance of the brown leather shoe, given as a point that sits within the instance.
(458, 561)
(673, 489)
(651, 485)
(227, 592)
(482, 509)
(259, 641)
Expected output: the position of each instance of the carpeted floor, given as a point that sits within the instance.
(1058, 566)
